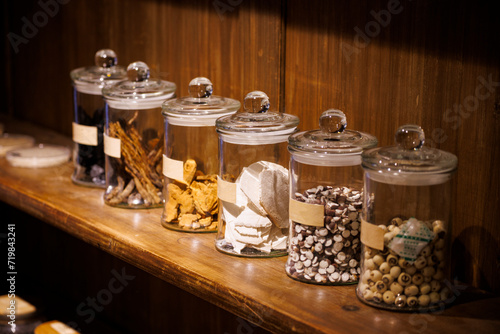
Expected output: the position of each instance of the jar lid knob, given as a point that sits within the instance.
(105, 58)
(200, 87)
(138, 71)
(332, 121)
(410, 137)
(256, 102)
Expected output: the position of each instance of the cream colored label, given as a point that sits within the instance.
(112, 146)
(226, 191)
(61, 328)
(84, 134)
(173, 169)
(372, 235)
(306, 213)
(21, 306)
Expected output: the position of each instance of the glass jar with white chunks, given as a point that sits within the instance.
(252, 183)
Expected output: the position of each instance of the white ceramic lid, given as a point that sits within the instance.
(39, 156)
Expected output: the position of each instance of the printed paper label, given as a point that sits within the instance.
(412, 238)
(173, 169)
(307, 213)
(84, 134)
(226, 191)
(112, 146)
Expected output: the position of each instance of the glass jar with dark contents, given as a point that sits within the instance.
(89, 109)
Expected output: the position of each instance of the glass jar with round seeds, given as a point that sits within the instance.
(133, 139)
(326, 182)
(405, 225)
(191, 159)
(89, 109)
(253, 179)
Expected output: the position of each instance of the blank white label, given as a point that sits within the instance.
(226, 191)
(112, 146)
(173, 169)
(84, 134)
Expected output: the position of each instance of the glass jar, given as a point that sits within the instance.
(191, 159)
(326, 184)
(133, 141)
(405, 226)
(253, 179)
(89, 109)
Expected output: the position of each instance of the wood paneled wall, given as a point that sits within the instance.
(385, 63)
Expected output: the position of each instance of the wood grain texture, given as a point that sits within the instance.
(258, 290)
(237, 47)
(76, 283)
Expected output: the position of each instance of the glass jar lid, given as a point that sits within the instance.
(139, 91)
(255, 124)
(332, 144)
(200, 108)
(409, 161)
(91, 80)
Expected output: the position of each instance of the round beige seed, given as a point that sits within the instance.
(424, 300)
(375, 276)
(428, 271)
(403, 263)
(384, 268)
(392, 260)
(435, 286)
(368, 294)
(435, 297)
(404, 279)
(369, 264)
(420, 262)
(387, 279)
(410, 270)
(425, 288)
(411, 290)
(412, 301)
(381, 286)
(379, 259)
(396, 288)
(417, 279)
(400, 301)
(395, 271)
(389, 297)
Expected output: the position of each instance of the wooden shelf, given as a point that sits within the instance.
(257, 290)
